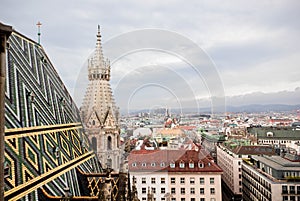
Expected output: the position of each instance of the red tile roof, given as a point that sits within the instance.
(254, 150)
(152, 160)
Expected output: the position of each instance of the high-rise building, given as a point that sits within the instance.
(99, 113)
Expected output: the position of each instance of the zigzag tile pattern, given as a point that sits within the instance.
(44, 139)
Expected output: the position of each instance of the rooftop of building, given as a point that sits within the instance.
(172, 161)
(213, 137)
(278, 163)
(244, 147)
(287, 133)
(171, 131)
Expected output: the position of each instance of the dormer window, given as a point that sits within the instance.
(144, 164)
(133, 164)
(162, 164)
(200, 164)
(191, 164)
(153, 164)
(181, 164)
(172, 165)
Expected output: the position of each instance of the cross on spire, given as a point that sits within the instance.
(39, 24)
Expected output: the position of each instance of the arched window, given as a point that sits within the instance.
(200, 164)
(109, 163)
(191, 164)
(181, 164)
(94, 143)
(109, 143)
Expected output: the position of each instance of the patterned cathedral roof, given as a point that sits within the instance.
(47, 154)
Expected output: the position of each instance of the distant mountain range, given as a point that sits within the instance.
(253, 108)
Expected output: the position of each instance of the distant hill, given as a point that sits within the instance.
(255, 108)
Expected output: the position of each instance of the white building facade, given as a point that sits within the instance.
(231, 164)
(175, 175)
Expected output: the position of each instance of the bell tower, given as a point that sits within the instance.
(99, 113)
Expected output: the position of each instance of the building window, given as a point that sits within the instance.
(212, 180)
(94, 144)
(143, 180)
(200, 165)
(292, 190)
(144, 199)
(153, 164)
(182, 199)
(201, 180)
(172, 165)
(109, 143)
(192, 199)
(162, 180)
(192, 180)
(162, 164)
(191, 165)
(202, 191)
(284, 190)
(292, 198)
(133, 164)
(192, 190)
(212, 199)
(109, 162)
(144, 190)
(173, 181)
(182, 180)
(182, 190)
(173, 190)
(144, 164)
(153, 190)
(163, 190)
(212, 191)
(285, 198)
(152, 180)
(173, 199)
(181, 164)
(202, 199)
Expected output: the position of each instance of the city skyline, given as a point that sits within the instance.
(254, 45)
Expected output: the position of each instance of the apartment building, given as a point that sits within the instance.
(175, 175)
(229, 158)
(270, 178)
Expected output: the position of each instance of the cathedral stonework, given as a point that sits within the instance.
(99, 113)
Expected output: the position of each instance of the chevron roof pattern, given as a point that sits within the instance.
(45, 145)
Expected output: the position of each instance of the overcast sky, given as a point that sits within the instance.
(253, 47)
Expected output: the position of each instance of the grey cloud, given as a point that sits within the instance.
(248, 40)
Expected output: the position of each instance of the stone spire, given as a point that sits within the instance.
(97, 66)
(99, 113)
(99, 101)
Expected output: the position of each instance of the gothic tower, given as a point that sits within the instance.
(99, 113)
